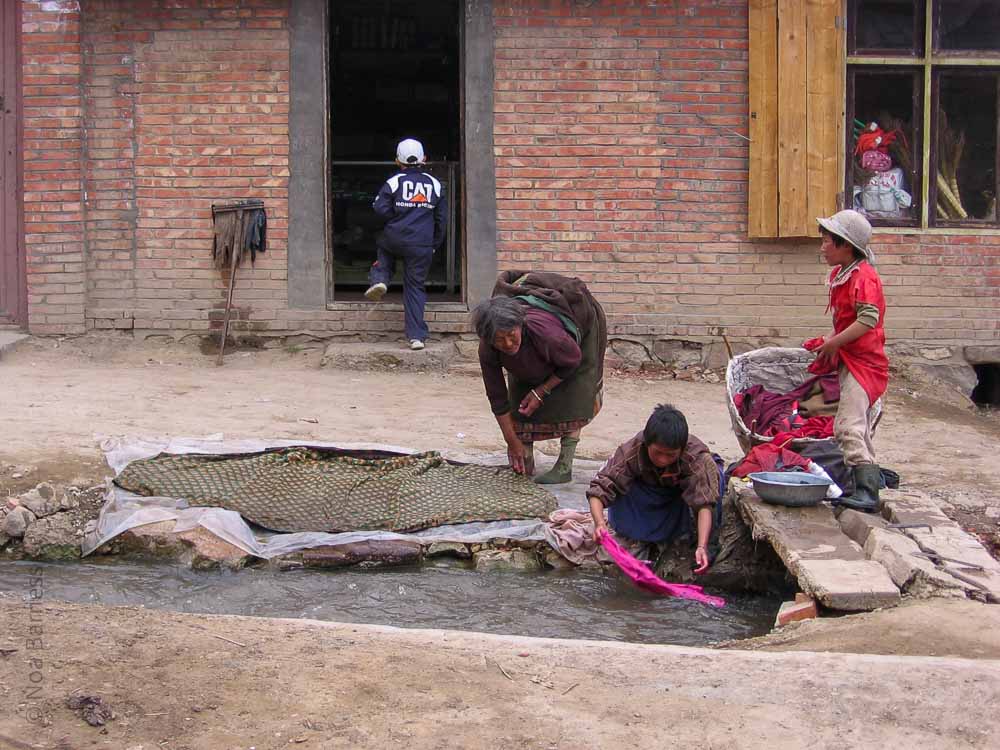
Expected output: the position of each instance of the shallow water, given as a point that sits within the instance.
(568, 604)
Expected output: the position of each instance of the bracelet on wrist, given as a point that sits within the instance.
(535, 394)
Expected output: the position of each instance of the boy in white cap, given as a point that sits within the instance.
(855, 349)
(412, 204)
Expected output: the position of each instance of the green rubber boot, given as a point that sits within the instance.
(562, 471)
(867, 479)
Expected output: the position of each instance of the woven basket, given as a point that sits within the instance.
(779, 370)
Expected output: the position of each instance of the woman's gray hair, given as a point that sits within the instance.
(497, 314)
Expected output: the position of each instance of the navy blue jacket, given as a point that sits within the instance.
(412, 204)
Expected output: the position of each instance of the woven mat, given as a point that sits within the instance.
(305, 489)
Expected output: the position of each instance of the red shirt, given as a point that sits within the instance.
(865, 356)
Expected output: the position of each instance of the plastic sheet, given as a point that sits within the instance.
(125, 510)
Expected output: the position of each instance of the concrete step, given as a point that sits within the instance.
(828, 565)
(10, 339)
(382, 356)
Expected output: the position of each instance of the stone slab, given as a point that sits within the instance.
(827, 564)
(858, 525)
(847, 585)
(10, 339)
(387, 356)
(368, 552)
(945, 538)
(915, 576)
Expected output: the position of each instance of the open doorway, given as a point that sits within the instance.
(394, 73)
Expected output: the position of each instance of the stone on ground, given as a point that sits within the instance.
(43, 500)
(55, 537)
(506, 559)
(17, 521)
(197, 548)
(449, 549)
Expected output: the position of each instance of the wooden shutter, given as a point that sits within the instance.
(796, 114)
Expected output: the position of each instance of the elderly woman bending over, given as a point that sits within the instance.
(549, 335)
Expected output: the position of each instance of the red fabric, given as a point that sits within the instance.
(644, 578)
(865, 356)
(770, 457)
(814, 427)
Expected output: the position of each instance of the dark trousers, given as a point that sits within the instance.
(416, 264)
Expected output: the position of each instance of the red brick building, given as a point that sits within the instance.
(601, 138)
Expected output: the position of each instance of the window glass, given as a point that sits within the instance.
(968, 25)
(965, 154)
(883, 173)
(886, 25)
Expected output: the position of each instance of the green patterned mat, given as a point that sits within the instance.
(307, 489)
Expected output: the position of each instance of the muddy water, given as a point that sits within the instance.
(571, 604)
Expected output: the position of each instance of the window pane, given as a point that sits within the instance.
(885, 25)
(968, 25)
(883, 166)
(966, 147)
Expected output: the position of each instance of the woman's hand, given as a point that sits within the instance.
(529, 404)
(515, 453)
(600, 527)
(701, 560)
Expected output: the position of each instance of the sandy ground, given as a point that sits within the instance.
(199, 682)
(58, 397)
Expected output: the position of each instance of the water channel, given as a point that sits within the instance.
(558, 604)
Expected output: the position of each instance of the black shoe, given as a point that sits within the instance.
(867, 479)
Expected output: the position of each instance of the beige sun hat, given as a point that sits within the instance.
(853, 227)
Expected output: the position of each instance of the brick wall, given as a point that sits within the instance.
(616, 161)
(53, 212)
(186, 104)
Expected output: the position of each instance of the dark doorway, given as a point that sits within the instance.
(987, 390)
(394, 73)
(12, 287)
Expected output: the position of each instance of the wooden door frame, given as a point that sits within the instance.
(16, 286)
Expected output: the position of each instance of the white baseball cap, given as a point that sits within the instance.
(410, 151)
(853, 227)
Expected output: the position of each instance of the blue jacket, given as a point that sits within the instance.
(412, 204)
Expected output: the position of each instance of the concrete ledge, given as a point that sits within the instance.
(10, 339)
(827, 564)
(355, 355)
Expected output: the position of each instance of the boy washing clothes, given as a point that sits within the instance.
(412, 204)
(653, 484)
(855, 350)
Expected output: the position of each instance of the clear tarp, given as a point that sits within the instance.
(125, 510)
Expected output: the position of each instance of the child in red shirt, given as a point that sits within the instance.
(855, 349)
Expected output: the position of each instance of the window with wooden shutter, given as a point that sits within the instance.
(796, 115)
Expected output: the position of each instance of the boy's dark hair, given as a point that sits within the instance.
(840, 241)
(667, 427)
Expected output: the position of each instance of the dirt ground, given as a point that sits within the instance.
(179, 681)
(198, 682)
(59, 397)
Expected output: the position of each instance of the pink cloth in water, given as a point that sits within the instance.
(645, 578)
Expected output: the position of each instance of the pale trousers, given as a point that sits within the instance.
(851, 427)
